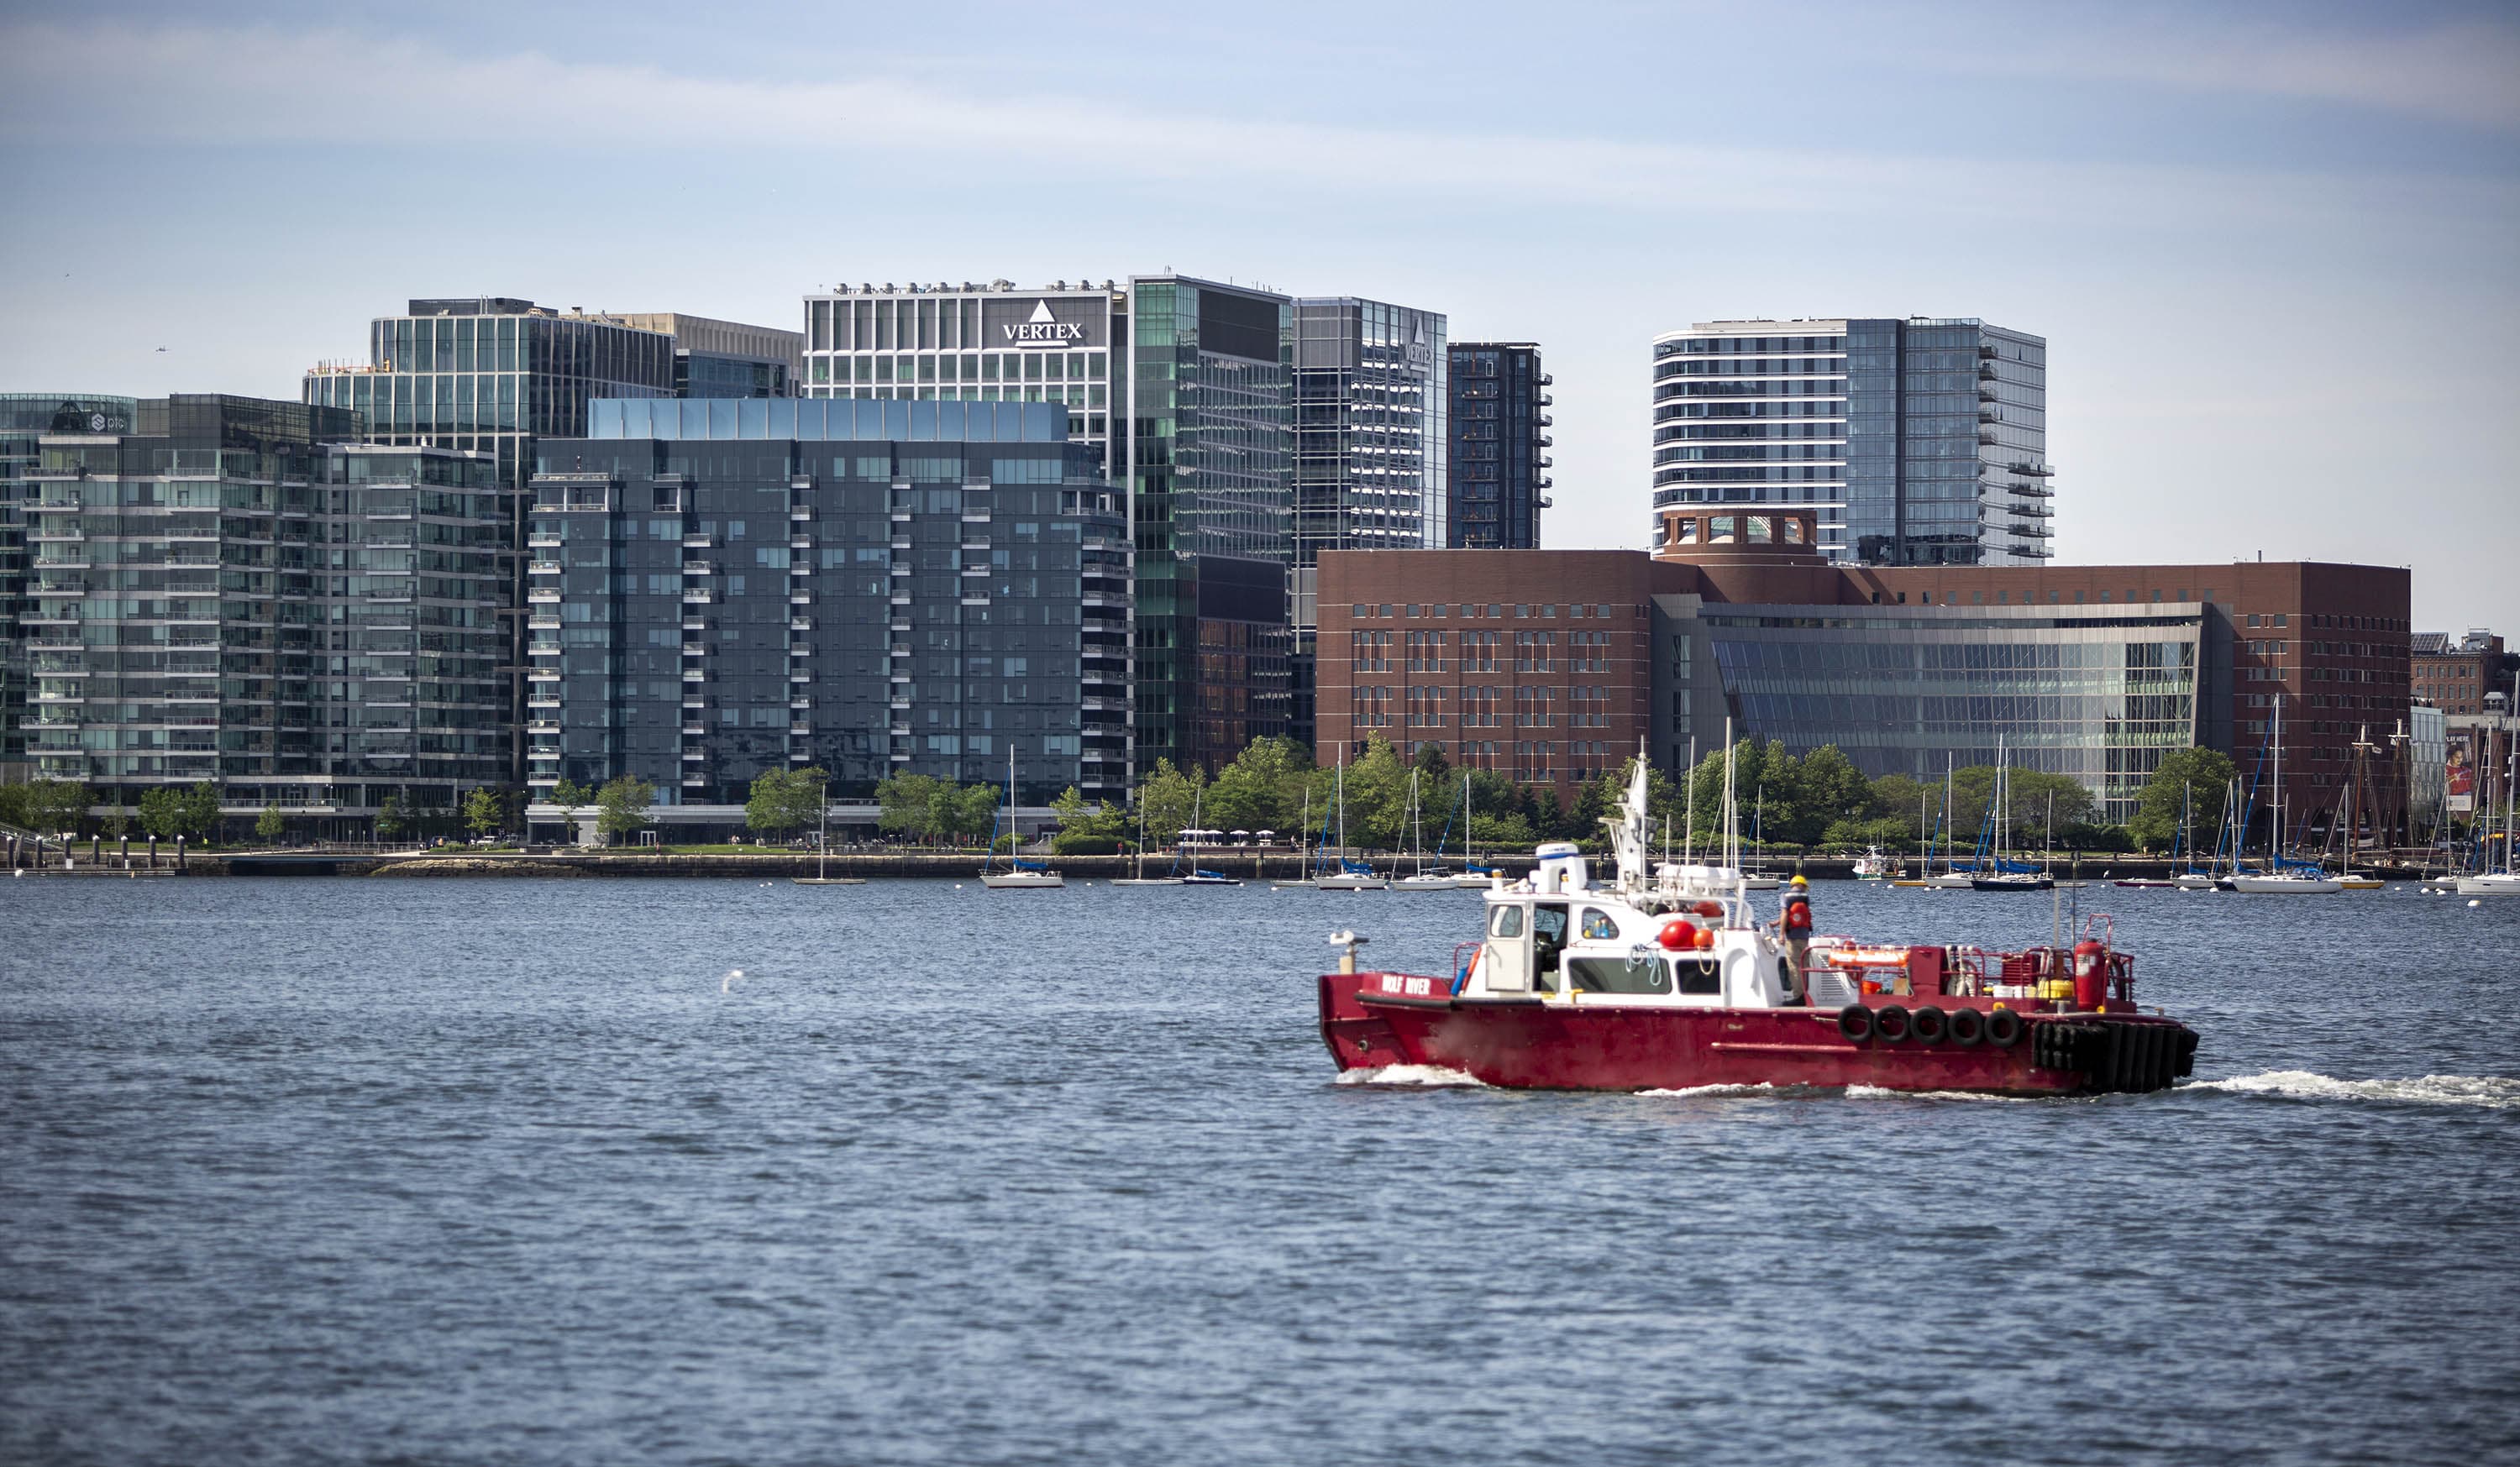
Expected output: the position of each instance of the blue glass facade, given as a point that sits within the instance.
(720, 588)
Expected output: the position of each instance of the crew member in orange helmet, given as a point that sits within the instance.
(1797, 924)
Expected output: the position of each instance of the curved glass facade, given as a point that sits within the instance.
(2098, 700)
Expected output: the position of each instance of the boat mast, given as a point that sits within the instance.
(1732, 806)
(2275, 830)
(2047, 857)
(1947, 812)
(2004, 797)
(1689, 820)
(1416, 834)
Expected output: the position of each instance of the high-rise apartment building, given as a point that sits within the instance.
(1916, 442)
(1498, 464)
(24, 419)
(876, 588)
(239, 591)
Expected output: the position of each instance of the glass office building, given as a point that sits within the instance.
(2097, 695)
(1497, 463)
(1211, 510)
(1369, 448)
(490, 374)
(1918, 441)
(1369, 441)
(239, 591)
(718, 588)
(943, 342)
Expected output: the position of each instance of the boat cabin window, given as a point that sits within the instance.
(1697, 975)
(1642, 973)
(1506, 922)
(1598, 926)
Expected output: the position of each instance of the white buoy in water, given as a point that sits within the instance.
(728, 982)
(2473, 903)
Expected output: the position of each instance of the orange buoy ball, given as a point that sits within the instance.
(1708, 909)
(1678, 935)
(1705, 937)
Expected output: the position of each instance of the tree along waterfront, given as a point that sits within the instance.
(1799, 802)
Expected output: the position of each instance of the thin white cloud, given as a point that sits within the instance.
(251, 85)
(2466, 73)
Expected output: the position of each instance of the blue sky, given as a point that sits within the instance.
(2273, 247)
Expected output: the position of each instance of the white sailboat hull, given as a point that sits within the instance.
(1020, 880)
(2498, 884)
(2286, 885)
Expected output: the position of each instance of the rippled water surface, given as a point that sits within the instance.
(517, 1170)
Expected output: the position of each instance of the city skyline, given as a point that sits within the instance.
(2264, 246)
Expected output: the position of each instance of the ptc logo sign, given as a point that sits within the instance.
(1042, 330)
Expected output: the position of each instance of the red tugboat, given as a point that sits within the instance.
(1668, 982)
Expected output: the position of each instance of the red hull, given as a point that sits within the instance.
(1371, 1020)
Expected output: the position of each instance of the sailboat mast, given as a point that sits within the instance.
(1947, 811)
(2275, 831)
(1689, 820)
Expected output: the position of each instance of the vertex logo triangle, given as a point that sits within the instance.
(1042, 330)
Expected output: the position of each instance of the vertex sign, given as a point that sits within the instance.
(1042, 330)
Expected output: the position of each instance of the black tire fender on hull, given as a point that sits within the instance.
(2121, 1056)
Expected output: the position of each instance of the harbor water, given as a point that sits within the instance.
(690, 1171)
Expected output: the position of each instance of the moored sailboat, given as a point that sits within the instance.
(1019, 874)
